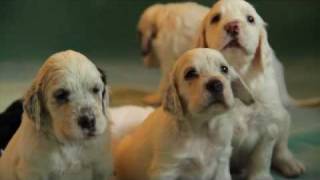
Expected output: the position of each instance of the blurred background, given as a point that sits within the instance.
(105, 31)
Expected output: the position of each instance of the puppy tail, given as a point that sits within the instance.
(307, 103)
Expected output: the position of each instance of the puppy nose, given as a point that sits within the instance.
(232, 28)
(215, 86)
(87, 122)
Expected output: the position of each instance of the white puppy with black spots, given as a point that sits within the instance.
(65, 129)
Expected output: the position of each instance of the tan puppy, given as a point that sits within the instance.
(166, 31)
(235, 28)
(65, 130)
(189, 136)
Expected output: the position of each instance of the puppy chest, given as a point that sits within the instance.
(70, 160)
(198, 158)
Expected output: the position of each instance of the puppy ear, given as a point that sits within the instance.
(33, 104)
(240, 90)
(201, 38)
(105, 95)
(171, 100)
(147, 40)
(263, 53)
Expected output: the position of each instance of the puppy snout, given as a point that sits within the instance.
(87, 121)
(232, 28)
(215, 86)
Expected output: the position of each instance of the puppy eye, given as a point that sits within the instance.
(62, 95)
(191, 74)
(216, 18)
(95, 90)
(224, 69)
(250, 19)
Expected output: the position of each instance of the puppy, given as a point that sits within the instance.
(166, 31)
(65, 129)
(189, 136)
(10, 120)
(235, 28)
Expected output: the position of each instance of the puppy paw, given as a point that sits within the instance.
(288, 166)
(152, 99)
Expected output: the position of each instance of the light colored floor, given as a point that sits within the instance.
(303, 78)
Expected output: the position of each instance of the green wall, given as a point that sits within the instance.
(107, 28)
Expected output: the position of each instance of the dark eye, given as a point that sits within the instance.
(62, 95)
(95, 90)
(216, 18)
(250, 19)
(191, 74)
(224, 69)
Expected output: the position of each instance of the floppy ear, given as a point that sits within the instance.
(201, 38)
(34, 104)
(240, 90)
(263, 54)
(171, 100)
(147, 40)
(105, 95)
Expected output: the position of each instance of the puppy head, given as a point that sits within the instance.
(69, 97)
(202, 83)
(235, 28)
(147, 31)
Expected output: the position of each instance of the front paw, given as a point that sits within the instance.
(288, 166)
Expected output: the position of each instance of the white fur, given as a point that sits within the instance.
(189, 136)
(257, 65)
(127, 118)
(173, 26)
(49, 144)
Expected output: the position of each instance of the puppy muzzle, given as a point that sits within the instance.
(87, 122)
(215, 88)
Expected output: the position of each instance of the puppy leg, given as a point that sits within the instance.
(283, 159)
(103, 170)
(260, 160)
(223, 170)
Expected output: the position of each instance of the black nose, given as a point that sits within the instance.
(215, 86)
(232, 28)
(87, 122)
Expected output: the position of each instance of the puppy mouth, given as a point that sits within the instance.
(217, 101)
(234, 44)
(89, 134)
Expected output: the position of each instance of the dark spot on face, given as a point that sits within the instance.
(216, 18)
(61, 95)
(250, 19)
(224, 69)
(191, 74)
(95, 90)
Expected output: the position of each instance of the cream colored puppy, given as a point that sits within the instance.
(189, 136)
(167, 31)
(235, 28)
(65, 130)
